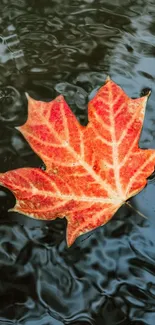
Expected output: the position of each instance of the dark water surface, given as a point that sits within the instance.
(108, 276)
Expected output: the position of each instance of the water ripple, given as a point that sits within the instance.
(107, 276)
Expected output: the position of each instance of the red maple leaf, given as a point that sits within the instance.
(90, 170)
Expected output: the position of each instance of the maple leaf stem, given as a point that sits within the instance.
(134, 209)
